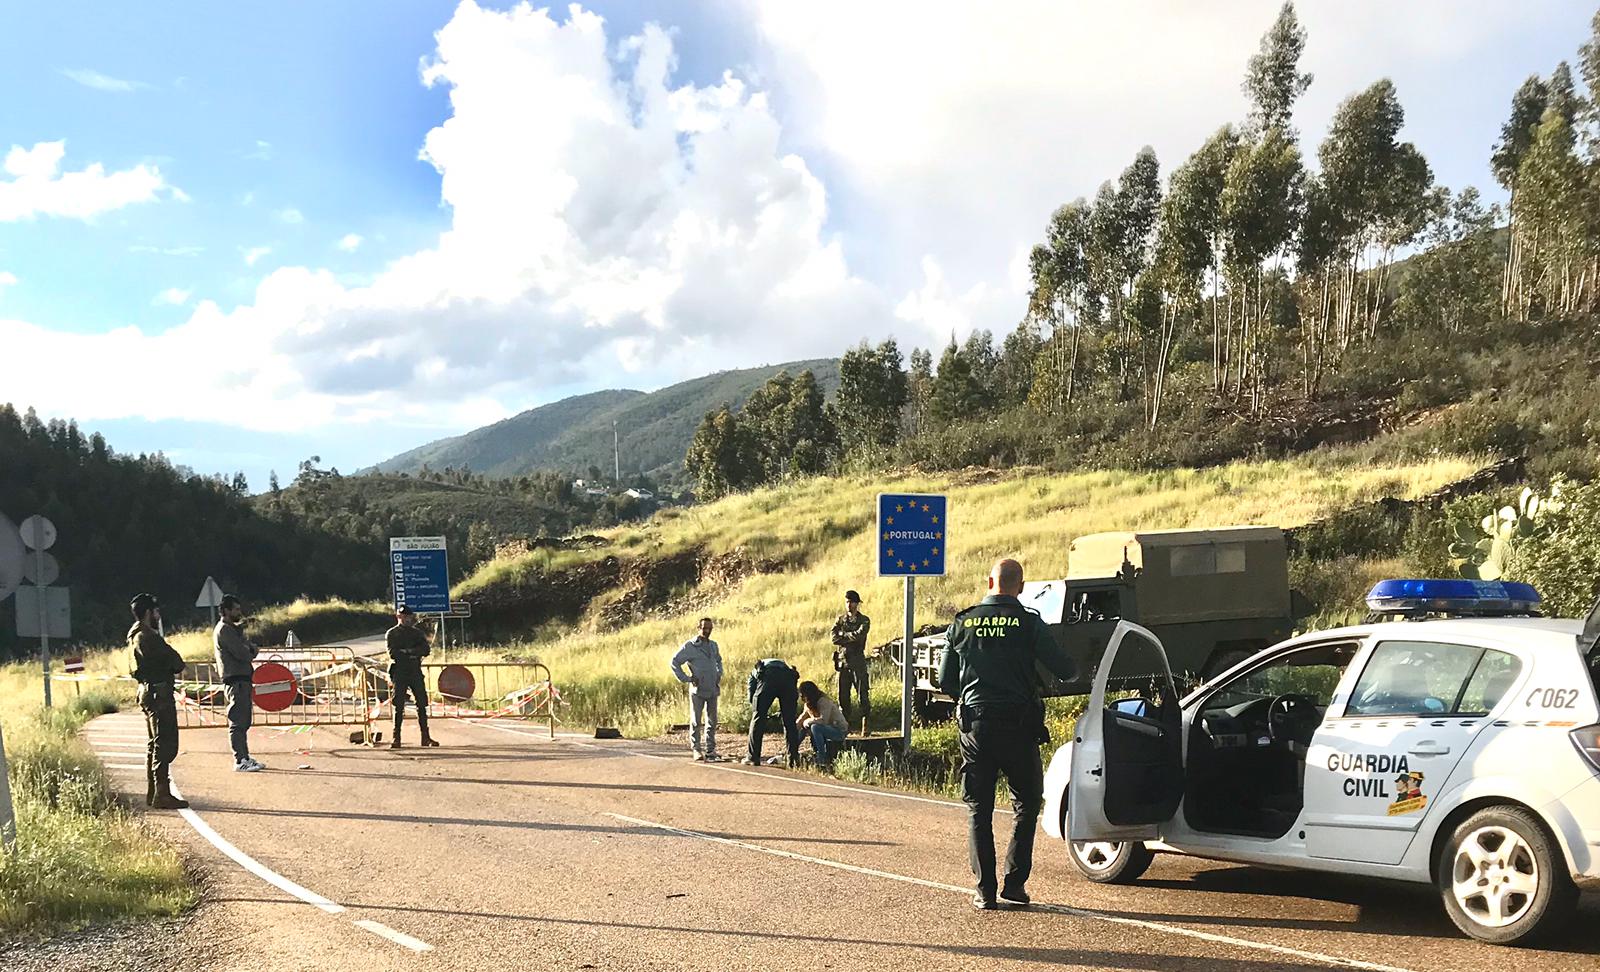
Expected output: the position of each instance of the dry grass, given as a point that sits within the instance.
(821, 527)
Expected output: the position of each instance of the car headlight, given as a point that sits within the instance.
(1587, 740)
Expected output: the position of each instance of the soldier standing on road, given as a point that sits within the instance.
(703, 658)
(156, 666)
(774, 680)
(408, 645)
(234, 656)
(850, 657)
(989, 668)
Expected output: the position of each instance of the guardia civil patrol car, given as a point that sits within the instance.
(1454, 739)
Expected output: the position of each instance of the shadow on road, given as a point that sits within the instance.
(565, 785)
(1093, 958)
(526, 825)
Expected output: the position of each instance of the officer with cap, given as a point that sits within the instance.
(408, 644)
(990, 669)
(156, 666)
(850, 657)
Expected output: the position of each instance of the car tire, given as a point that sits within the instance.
(1110, 862)
(1504, 880)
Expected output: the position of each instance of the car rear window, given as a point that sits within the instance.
(1425, 678)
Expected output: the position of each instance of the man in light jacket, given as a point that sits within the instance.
(234, 657)
(703, 661)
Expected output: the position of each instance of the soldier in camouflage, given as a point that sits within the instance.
(850, 657)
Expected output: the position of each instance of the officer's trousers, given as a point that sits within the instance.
(161, 723)
(788, 698)
(403, 679)
(853, 677)
(989, 748)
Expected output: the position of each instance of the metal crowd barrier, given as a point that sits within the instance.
(328, 687)
(480, 690)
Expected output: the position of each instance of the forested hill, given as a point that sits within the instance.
(136, 523)
(573, 434)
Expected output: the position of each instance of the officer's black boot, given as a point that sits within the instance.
(164, 800)
(422, 723)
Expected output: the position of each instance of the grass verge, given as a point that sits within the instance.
(80, 858)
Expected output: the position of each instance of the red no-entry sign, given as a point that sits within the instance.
(456, 682)
(274, 687)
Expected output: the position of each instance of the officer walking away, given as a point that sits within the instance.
(156, 666)
(408, 646)
(774, 680)
(234, 656)
(850, 657)
(989, 668)
(703, 659)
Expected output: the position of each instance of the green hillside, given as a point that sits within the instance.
(573, 434)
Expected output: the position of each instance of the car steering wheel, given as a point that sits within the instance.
(1288, 710)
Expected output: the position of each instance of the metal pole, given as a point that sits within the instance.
(44, 630)
(908, 680)
(8, 816)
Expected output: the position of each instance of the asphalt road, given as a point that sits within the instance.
(506, 850)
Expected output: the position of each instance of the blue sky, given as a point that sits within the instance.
(602, 204)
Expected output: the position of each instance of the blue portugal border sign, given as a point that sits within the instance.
(913, 534)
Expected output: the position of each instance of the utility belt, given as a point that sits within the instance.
(1026, 718)
(156, 695)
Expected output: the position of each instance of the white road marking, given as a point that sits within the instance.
(1155, 926)
(254, 866)
(399, 938)
(126, 766)
(104, 750)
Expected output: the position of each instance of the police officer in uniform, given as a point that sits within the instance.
(156, 666)
(774, 680)
(989, 668)
(408, 644)
(850, 657)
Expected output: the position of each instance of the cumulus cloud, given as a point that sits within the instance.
(7, 279)
(173, 297)
(604, 218)
(351, 242)
(90, 78)
(34, 185)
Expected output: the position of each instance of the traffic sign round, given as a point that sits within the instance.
(11, 557)
(40, 568)
(456, 683)
(38, 533)
(274, 687)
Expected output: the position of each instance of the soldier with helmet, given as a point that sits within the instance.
(156, 667)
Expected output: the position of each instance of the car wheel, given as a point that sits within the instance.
(1503, 880)
(1110, 862)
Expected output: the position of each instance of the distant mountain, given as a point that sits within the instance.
(575, 433)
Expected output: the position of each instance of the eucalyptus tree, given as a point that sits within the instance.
(1061, 297)
(1516, 138)
(1273, 81)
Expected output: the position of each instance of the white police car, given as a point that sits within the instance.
(1458, 747)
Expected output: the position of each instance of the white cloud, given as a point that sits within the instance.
(167, 250)
(604, 218)
(7, 279)
(291, 216)
(173, 297)
(351, 242)
(254, 254)
(91, 78)
(38, 187)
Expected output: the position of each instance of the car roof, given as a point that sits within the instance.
(1534, 632)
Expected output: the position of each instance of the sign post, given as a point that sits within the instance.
(210, 597)
(40, 535)
(911, 540)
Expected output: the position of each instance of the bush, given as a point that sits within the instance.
(1563, 559)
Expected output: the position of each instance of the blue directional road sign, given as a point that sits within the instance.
(912, 534)
(420, 573)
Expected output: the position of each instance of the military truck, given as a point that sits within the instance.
(1213, 597)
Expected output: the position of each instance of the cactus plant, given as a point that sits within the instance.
(1484, 553)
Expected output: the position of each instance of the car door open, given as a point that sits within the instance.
(1127, 754)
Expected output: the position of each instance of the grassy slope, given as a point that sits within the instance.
(820, 527)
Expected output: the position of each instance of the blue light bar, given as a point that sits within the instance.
(1469, 597)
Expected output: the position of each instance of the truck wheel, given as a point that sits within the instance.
(930, 710)
(1111, 862)
(1503, 880)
